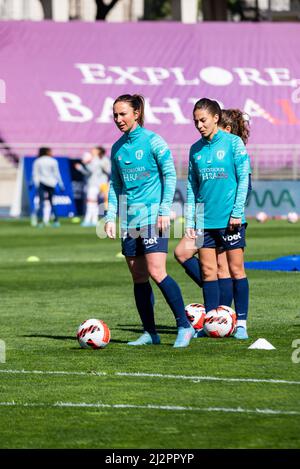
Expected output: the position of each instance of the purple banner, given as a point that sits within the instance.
(60, 79)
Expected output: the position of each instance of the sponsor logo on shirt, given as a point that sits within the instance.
(213, 173)
(139, 154)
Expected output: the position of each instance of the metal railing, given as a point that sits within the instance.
(268, 161)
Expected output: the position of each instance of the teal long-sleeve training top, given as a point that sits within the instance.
(218, 179)
(142, 169)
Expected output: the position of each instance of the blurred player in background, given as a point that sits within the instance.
(143, 170)
(95, 166)
(219, 178)
(46, 176)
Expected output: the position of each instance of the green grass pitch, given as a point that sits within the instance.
(213, 394)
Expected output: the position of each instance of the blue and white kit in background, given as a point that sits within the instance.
(96, 171)
(46, 171)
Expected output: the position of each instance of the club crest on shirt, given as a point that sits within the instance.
(139, 154)
(220, 154)
(199, 157)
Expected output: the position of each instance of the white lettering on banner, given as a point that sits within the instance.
(127, 74)
(94, 74)
(280, 76)
(99, 74)
(106, 115)
(65, 102)
(248, 76)
(156, 74)
(180, 79)
(253, 109)
(172, 108)
(71, 109)
(216, 76)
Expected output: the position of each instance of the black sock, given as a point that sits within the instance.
(211, 294)
(241, 298)
(226, 291)
(173, 296)
(144, 300)
(193, 270)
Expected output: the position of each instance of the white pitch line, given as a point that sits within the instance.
(100, 405)
(195, 379)
(45, 372)
(207, 378)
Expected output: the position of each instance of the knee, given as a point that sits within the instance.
(209, 272)
(180, 255)
(139, 277)
(223, 271)
(237, 272)
(157, 274)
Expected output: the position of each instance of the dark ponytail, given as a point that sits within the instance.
(137, 102)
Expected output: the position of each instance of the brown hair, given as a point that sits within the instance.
(212, 107)
(238, 121)
(137, 102)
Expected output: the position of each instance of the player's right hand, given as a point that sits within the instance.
(190, 233)
(110, 229)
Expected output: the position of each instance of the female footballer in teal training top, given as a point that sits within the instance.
(218, 183)
(237, 123)
(143, 180)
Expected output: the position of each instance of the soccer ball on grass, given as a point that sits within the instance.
(220, 322)
(292, 217)
(93, 333)
(195, 313)
(261, 217)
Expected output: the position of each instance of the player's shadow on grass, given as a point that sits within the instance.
(70, 337)
(56, 337)
(137, 328)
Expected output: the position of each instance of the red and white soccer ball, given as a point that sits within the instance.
(261, 217)
(292, 217)
(93, 333)
(195, 313)
(220, 322)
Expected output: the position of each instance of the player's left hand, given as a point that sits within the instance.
(163, 223)
(235, 223)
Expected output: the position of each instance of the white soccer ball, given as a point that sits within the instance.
(218, 323)
(232, 313)
(261, 217)
(292, 217)
(195, 313)
(93, 333)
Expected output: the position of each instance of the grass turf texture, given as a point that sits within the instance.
(79, 277)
